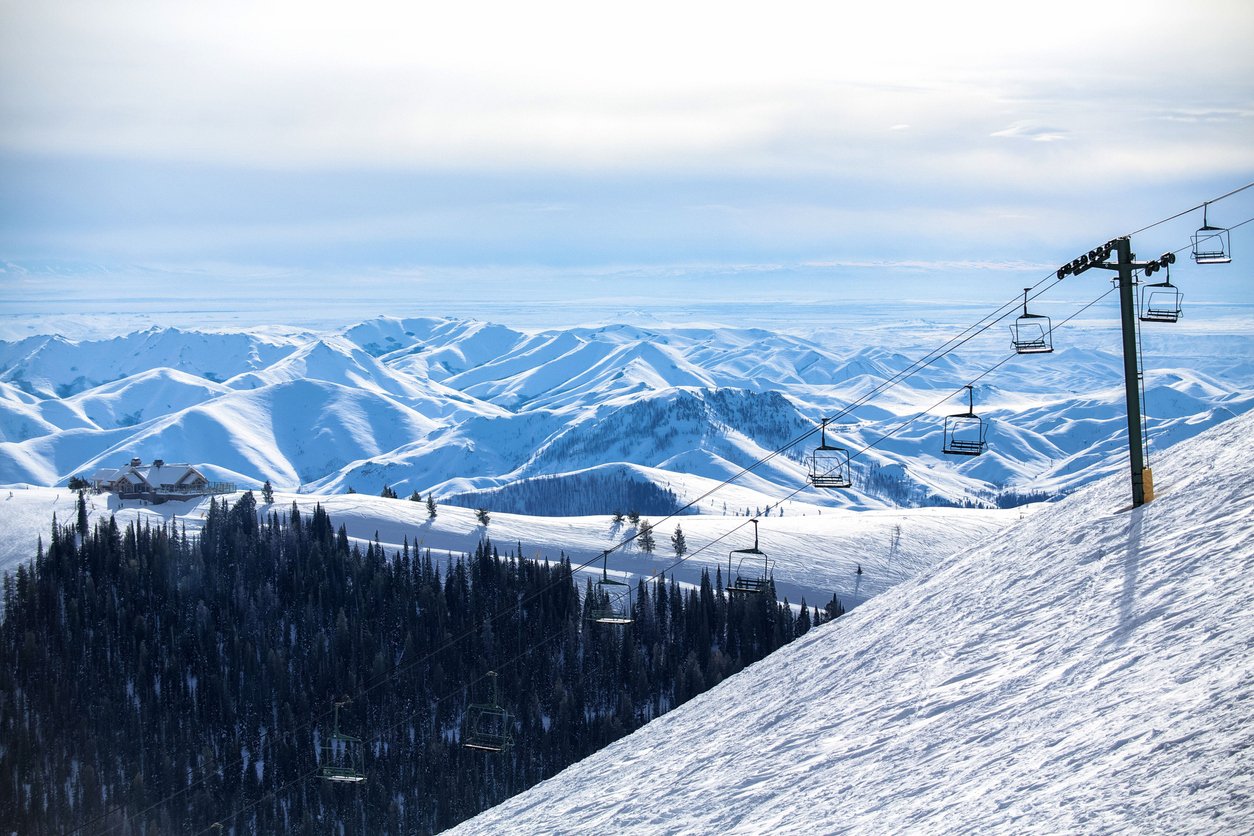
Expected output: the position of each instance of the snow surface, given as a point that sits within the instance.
(1089, 669)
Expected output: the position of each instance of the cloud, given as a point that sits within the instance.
(566, 84)
(1194, 116)
(938, 265)
(560, 133)
(1032, 132)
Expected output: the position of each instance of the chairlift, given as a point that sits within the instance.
(743, 581)
(1160, 302)
(342, 754)
(829, 466)
(612, 604)
(1211, 244)
(1032, 333)
(965, 431)
(488, 725)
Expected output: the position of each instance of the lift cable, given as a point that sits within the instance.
(957, 341)
(1237, 190)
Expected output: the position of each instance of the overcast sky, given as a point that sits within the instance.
(581, 150)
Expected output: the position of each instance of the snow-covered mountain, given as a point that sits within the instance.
(455, 406)
(52, 366)
(1087, 670)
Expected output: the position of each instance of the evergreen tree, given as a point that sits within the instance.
(834, 608)
(481, 514)
(678, 543)
(415, 497)
(82, 513)
(387, 492)
(645, 538)
(267, 492)
(633, 517)
(803, 620)
(431, 505)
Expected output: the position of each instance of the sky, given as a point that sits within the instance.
(556, 161)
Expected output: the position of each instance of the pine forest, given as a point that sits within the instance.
(160, 683)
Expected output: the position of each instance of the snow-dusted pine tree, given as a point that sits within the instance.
(678, 543)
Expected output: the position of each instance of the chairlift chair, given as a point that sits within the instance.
(1031, 333)
(1211, 244)
(965, 431)
(612, 604)
(742, 581)
(829, 466)
(488, 725)
(1160, 302)
(342, 754)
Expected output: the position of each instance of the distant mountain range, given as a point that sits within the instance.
(459, 407)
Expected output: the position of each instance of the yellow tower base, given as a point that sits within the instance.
(1147, 480)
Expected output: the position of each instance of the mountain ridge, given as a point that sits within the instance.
(522, 404)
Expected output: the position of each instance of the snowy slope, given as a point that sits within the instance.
(56, 367)
(587, 371)
(815, 555)
(142, 397)
(1088, 670)
(24, 416)
(337, 360)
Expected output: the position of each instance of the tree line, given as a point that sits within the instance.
(156, 682)
(572, 495)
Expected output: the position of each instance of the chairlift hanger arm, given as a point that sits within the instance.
(1099, 257)
(1162, 261)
